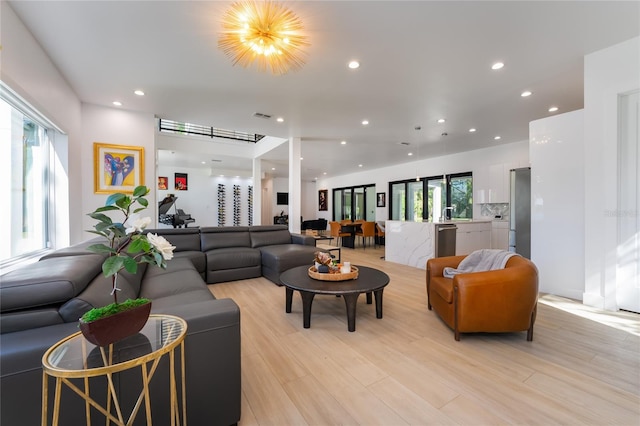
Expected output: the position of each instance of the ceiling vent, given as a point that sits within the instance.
(261, 115)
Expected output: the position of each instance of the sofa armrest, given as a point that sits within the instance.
(435, 266)
(305, 240)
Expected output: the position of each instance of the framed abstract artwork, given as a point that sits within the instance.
(381, 197)
(117, 168)
(181, 182)
(323, 194)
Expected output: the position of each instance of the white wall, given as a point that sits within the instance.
(118, 127)
(201, 198)
(557, 203)
(27, 69)
(478, 162)
(608, 72)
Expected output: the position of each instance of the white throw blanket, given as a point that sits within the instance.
(480, 260)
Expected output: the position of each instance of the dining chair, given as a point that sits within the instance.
(367, 230)
(336, 233)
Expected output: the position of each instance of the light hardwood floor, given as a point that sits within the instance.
(583, 366)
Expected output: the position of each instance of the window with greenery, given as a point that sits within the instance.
(460, 195)
(408, 201)
(353, 203)
(26, 151)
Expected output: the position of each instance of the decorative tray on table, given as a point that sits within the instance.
(337, 276)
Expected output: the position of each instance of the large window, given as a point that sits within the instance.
(430, 198)
(353, 203)
(24, 214)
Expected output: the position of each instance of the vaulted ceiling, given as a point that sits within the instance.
(421, 61)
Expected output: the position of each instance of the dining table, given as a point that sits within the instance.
(351, 229)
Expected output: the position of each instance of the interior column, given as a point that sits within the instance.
(295, 196)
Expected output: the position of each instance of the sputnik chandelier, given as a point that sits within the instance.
(265, 33)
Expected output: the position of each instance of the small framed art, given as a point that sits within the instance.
(381, 199)
(163, 182)
(322, 199)
(181, 182)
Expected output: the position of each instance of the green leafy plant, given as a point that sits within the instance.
(126, 246)
(113, 308)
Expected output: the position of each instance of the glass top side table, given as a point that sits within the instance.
(75, 357)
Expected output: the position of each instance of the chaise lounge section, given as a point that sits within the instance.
(40, 304)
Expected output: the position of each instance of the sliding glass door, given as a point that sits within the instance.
(354, 203)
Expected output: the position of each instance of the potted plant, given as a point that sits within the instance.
(126, 248)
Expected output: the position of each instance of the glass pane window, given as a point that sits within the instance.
(461, 188)
(398, 201)
(415, 201)
(25, 148)
(436, 198)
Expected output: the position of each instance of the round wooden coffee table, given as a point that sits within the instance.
(369, 281)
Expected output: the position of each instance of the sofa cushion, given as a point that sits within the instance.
(269, 235)
(286, 256)
(224, 236)
(197, 258)
(98, 293)
(48, 282)
(180, 276)
(27, 319)
(232, 258)
(183, 239)
(443, 287)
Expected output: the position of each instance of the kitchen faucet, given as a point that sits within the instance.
(448, 212)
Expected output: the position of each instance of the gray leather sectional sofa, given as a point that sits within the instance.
(41, 303)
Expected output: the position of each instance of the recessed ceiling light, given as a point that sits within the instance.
(354, 65)
(442, 120)
(497, 138)
(221, 175)
(204, 162)
(410, 154)
(301, 158)
(497, 66)
(324, 173)
(279, 119)
(343, 143)
(273, 168)
(525, 93)
(473, 129)
(117, 103)
(553, 109)
(365, 122)
(139, 92)
(359, 165)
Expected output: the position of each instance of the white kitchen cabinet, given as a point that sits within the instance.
(471, 236)
(500, 234)
(498, 184)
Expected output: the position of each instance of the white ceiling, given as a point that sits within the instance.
(420, 61)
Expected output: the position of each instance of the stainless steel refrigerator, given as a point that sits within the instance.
(520, 212)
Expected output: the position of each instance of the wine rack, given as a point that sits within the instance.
(250, 205)
(221, 205)
(236, 205)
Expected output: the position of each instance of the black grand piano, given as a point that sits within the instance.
(177, 220)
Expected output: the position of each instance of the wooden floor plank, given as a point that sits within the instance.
(583, 366)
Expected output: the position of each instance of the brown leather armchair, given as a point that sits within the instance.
(502, 300)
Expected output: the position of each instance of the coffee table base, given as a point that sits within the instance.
(350, 300)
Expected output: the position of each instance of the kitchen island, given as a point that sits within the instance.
(413, 243)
